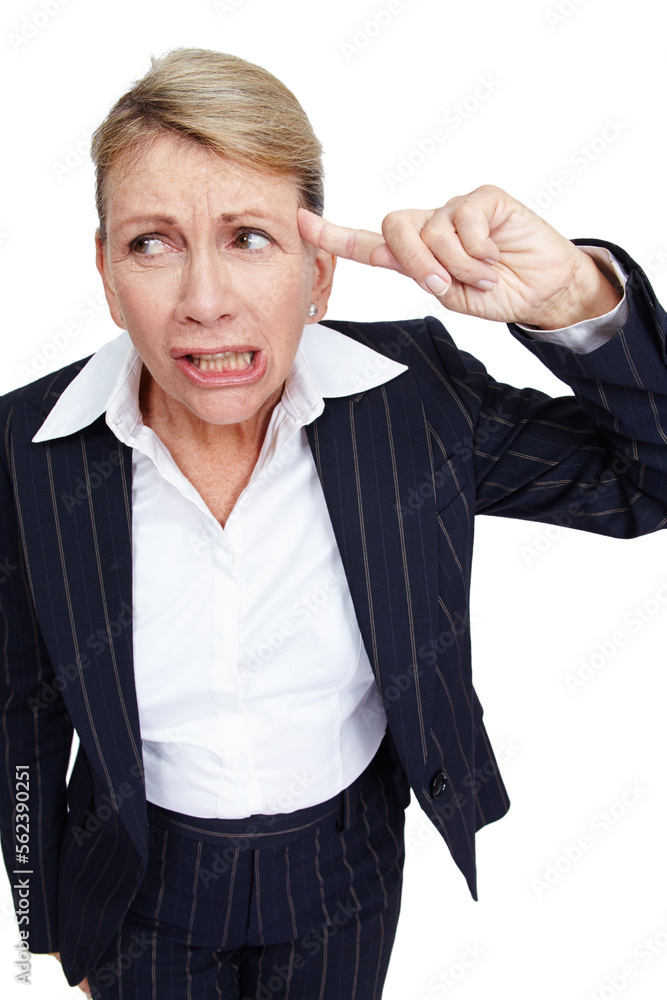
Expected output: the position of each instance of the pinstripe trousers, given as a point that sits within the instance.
(299, 906)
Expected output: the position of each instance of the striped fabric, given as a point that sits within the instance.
(404, 467)
(303, 905)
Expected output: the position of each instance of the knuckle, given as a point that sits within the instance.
(393, 223)
(466, 274)
(452, 202)
(441, 245)
(474, 243)
(432, 228)
(469, 204)
(466, 209)
(415, 261)
(488, 189)
(436, 232)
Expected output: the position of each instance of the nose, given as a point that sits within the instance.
(207, 293)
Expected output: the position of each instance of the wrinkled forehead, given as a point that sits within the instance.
(172, 174)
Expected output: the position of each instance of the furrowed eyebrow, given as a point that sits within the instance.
(148, 221)
(229, 218)
(232, 217)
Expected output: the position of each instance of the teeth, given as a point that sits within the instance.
(226, 361)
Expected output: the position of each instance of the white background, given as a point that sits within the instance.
(540, 604)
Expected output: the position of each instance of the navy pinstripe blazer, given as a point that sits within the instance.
(404, 467)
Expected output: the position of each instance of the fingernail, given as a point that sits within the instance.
(436, 284)
(485, 285)
(490, 260)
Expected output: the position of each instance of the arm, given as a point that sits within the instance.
(596, 461)
(621, 387)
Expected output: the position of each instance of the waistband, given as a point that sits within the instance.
(272, 830)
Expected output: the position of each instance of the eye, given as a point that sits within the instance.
(250, 240)
(147, 246)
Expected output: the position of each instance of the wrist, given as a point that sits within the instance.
(593, 290)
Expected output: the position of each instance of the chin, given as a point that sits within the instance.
(220, 412)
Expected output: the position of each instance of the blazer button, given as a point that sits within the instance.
(438, 784)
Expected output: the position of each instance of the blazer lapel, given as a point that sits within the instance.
(75, 507)
(368, 466)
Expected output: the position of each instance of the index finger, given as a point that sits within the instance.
(352, 244)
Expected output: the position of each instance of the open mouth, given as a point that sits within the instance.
(227, 361)
(221, 368)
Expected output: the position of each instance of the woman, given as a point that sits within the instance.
(242, 543)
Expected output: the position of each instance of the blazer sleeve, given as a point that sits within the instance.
(595, 460)
(36, 737)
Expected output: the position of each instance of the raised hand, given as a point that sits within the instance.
(484, 254)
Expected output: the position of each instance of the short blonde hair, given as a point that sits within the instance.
(232, 107)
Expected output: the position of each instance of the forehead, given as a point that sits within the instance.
(171, 175)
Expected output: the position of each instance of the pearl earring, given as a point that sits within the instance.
(313, 309)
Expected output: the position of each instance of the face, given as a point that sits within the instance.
(204, 266)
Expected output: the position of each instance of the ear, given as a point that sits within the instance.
(323, 272)
(102, 262)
